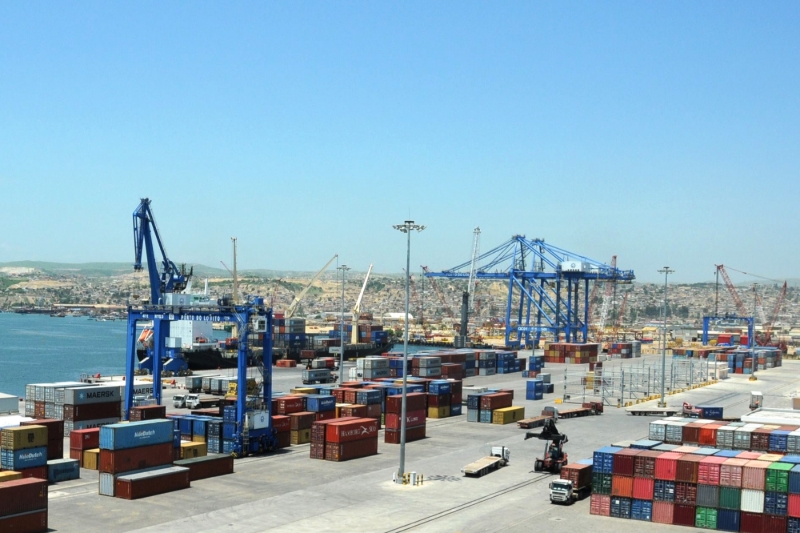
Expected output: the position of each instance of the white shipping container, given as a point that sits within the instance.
(793, 442)
(189, 330)
(725, 437)
(13, 421)
(657, 430)
(9, 403)
(257, 419)
(752, 501)
(86, 395)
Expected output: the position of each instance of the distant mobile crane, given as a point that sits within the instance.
(253, 432)
(292, 309)
(554, 455)
(357, 308)
(440, 294)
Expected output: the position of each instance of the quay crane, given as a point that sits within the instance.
(292, 309)
(357, 308)
(253, 431)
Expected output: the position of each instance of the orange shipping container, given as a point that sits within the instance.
(622, 486)
(600, 505)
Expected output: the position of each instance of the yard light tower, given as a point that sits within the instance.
(343, 268)
(666, 271)
(406, 227)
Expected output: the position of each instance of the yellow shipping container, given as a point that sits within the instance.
(9, 475)
(190, 450)
(300, 436)
(90, 459)
(508, 415)
(23, 437)
(198, 438)
(303, 390)
(439, 412)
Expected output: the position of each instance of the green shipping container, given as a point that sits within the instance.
(601, 483)
(730, 498)
(777, 479)
(706, 517)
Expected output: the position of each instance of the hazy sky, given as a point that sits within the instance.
(666, 133)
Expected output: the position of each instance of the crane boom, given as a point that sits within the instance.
(292, 309)
(357, 307)
(607, 298)
(476, 242)
(732, 290)
(171, 278)
(774, 317)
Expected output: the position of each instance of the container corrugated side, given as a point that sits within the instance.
(135, 434)
(752, 501)
(22, 496)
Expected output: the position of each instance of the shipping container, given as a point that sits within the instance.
(752, 501)
(754, 475)
(9, 475)
(642, 510)
(728, 520)
(730, 498)
(601, 483)
(392, 436)
(352, 449)
(776, 503)
(775, 524)
(663, 512)
(600, 504)
(777, 477)
(793, 525)
(22, 496)
(664, 490)
(134, 486)
(644, 464)
(622, 486)
(752, 523)
(620, 507)
(643, 488)
(684, 515)
(667, 466)
(20, 459)
(508, 415)
(30, 522)
(189, 450)
(91, 411)
(495, 401)
(706, 518)
(135, 434)
(413, 419)
(730, 473)
(708, 470)
(603, 459)
(579, 474)
(55, 428)
(92, 394)
(362, 428)
(63, 470)
(624, 461)
(685, 493)
(657, 430)
(708, 496)
(208, 466)
(23, 437)
(793, 505)
(129, 459)
(687, 468)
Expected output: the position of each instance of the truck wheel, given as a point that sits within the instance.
(537, 466)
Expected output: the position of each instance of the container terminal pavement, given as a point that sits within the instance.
(287, 491)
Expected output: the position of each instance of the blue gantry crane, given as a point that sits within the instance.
(254, 430)
(544, 284)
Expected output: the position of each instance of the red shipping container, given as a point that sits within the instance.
(759, 440)
(667, 466)
(208, 466)
(129, 459)
(413, 419)
(754, 474)
(644, 464)
(414, 402)
(643, 488)
(457, 398)
(284, 439)
(752, 523)
(353, 385)
(358, 411)
(155, 412)
(317, 450)
(55, 428)
(600, 504)
(91, 411)
(325, 415)
(774, 524)
(708, 434)
(141, 488)
(28, 522)
(684, 515)
(730, 473)
(318, 428)
(350, 396)
(39, 472)
(38, 410)
(392, 436)
(351, 430)
(374, 410)
(344, 451)
(301, 420)
(76, 454)
(623, 462)
(663, 512)
(691, 433)
(22, 496)
(55, 449)
(794, 505)
(281, 423)
(685, 493)
(438, 400)
(687, 468)
(289, 404)
(708, 470)
(495, 401)
(84, 439)
(622, 486)
(749, 456)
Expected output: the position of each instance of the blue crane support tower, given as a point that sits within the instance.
(748, 319)
(537, 273)
(167, 305)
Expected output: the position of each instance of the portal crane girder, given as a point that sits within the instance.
(740, 308)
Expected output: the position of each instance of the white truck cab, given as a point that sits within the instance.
(561, 491)
(179, 401)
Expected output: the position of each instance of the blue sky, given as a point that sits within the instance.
(664, 133)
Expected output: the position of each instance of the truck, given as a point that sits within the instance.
(574, 484)
(193, 401)
(322, 375)
(500, 457)
(193, 383)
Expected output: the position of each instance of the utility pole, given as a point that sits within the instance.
(666, 271)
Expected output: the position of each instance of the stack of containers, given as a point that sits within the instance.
(470, 364)
(23, 449)
(490, 402)
(351, 439)
(571, 353)
(318, 435)
(534, 389)
(82, 441)
(300, 426)
(55, 435)
(507, 362)
(456, 397)
(535, 366)
(23, 506)
(415, 417)
(426, 367)
(474, 405)
(376, 367)
(487, 362)
(136, 460)
(372, 400)
(602, 469)
(439, 399)
(282, 425)
(322, 405)
(89, 407)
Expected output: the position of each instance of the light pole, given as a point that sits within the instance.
(666, 271)
(406, 227)
(343, 268)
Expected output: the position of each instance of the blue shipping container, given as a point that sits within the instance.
(368, 397)
(604, 459)
(776, 503)
(228, 446)
(320, 403)
(472, 415)
(642, 510)
(794, 480)
(135, 434)
(728, 453)
(63, 470)
(214, 445)
(794, 459)
(19, 459)
(229, 413)
(534, 384)
(455, 409)
(778, 440)
(485, 416)
(176, 438)
(228, 430)
(214, 428)
(645, 444)
(793, 525)
(186, 425)
(199, 426)
(709, 412)
(664, 491)
(620, 507)
(727, 520)
(474, 400)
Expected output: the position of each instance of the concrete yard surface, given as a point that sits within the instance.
(288, 491)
